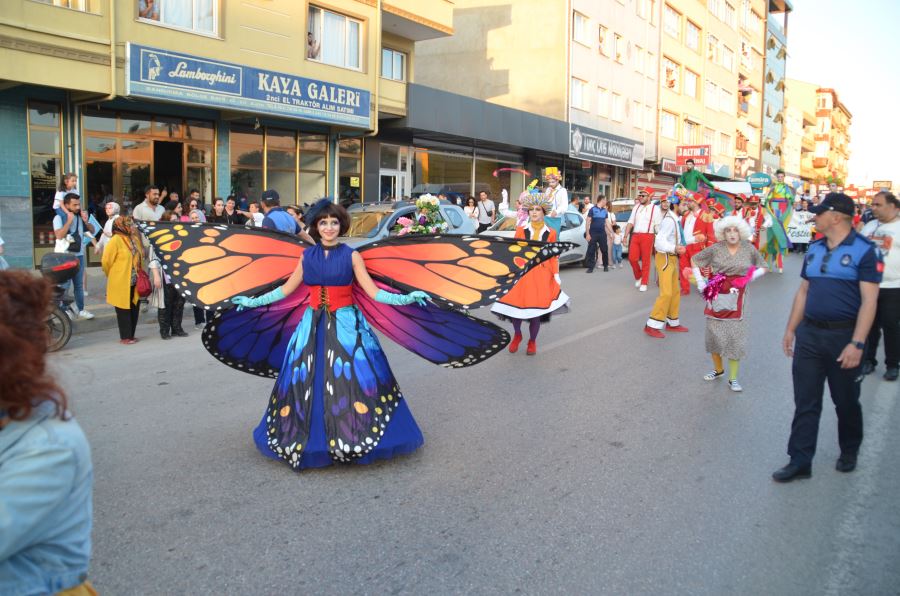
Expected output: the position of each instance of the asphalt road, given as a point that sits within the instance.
(603, 465)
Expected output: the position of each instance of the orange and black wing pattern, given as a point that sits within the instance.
(458, 271)
(211, 263)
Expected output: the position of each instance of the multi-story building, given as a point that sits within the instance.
(776, 59)
(798, 143)
(595, 96)
(832, 137)
(188, 95)
(711, 79)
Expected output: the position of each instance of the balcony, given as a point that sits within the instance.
(820, 162)
(417, 20)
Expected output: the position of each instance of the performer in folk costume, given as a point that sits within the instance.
(554, 193)
(780, 203)
(538, 293)
(335, 398)
(734, 263)
(641, 229)
(738, 206)
(698, 233)
(756, 217)
(669, 245)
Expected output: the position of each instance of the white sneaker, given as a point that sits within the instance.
(85, 293)
(637, 283)
(643, 288)
(735, 386)
(86, 315)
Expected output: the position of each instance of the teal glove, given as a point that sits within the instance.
(243, 302)
(402, 299)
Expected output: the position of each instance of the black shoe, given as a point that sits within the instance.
(180, 333)
(891, 374)
(791, 472)
(846, 463)
(606, 270)
(165, 336)
(867, 368)
(590, 270)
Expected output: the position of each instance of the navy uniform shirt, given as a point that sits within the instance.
(834, 277)
(279, 219)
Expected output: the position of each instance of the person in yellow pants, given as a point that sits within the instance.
(669, 245)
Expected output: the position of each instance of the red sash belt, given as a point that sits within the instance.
(330, 297)
(724, 313)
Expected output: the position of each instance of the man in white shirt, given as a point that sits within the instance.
(639, 234)
(669, 243)
(555, 192)
(150, 209)
(884, 231)
(75, 226)
(487, 211)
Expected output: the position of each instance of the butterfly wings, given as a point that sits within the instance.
(440, 335)
(211, 263)
(457, 271)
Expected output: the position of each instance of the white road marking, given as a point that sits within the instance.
(592, 330)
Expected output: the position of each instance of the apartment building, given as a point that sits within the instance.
(711, 82)
(832, 137)
(798, 144)
(222, 97)
(776, 60)
(592, 99)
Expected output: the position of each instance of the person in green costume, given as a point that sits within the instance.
(691, 178)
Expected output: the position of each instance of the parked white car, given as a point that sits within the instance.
(572, 230)
(371, 222)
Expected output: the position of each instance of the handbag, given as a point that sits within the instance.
(142, 284)
(62, 244)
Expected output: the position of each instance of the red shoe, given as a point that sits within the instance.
(676, 328)
(654, 332)
(532, 347)
(514, 344)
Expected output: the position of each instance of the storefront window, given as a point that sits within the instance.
(281, 163)
(124, 152)
(313, 167)
(247, 152)
(578, 178)
(44, 136)
(513, 182)
(349, 171)
(442, 172)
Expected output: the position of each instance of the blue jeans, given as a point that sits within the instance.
(617, 254)
(78, 283)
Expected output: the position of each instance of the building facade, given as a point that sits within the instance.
(776, 61)
(224, 98)
(832, 138)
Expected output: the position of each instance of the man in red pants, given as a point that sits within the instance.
(698, 233)
(640, 233)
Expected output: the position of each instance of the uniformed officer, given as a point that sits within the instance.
(826, 333)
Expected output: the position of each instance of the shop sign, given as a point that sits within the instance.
(699, 153)
(354, 181)
(600, 147)
(882, 185)
(759, 180)
(182, 78)
(668, 166)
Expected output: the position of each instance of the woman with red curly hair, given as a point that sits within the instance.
(46, 475)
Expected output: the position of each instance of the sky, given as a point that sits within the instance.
(852, 48)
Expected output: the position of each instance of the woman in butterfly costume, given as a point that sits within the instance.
(538, 293)
(335, 398)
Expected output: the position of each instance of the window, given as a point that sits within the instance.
(653, 12)
(580, 29)
(672, 22)
(727, 58)
(350, 170)
(580, 97)
(667, 125)
(689, 132)
(618, 107)
(712, 48)
(643, 8)
(692, 36)
(746, 55)
(746, 13)
(603, 38)
(334, 39)
(709, 137)
(637, 114)
(672, 72)
(619, 48)
(726, 101)
(728, 15)
(602, 102)
(651, 65)
(199, 16)
(691, 80)
(715, 8)
(393, 64)
(724, 143)
(711, 95)
(45, 144)
(82, 5)
(638, 59)
(649, 122)
(269, 157)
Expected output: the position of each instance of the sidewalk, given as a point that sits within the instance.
(104, 314)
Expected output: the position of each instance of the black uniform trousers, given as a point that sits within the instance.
(598, 240)
(815, 360)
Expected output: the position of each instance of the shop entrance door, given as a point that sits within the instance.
(394, 185)
(168, 166)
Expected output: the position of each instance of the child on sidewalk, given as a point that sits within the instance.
(617, 246)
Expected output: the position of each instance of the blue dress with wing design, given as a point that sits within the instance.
(336, 398)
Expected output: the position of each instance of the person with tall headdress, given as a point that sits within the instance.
(555, 193)
(538, 293)
(779, 203)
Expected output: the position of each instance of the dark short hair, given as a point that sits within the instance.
(150, 187)
(70, 196)
(689, 161)
(487, 192)
(470, 198)
(329, 210)
(779, 171)
(193, 190)
(888, 196)
(217, 199)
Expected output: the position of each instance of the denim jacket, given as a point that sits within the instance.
(46, 480)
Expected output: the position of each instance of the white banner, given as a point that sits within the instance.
(799, 230)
